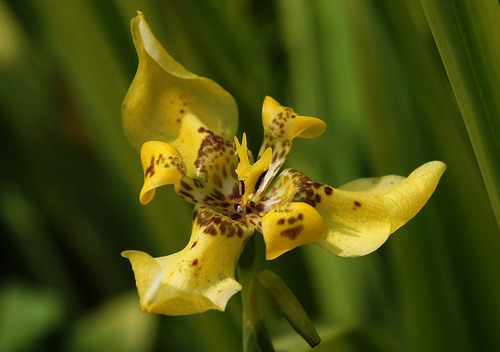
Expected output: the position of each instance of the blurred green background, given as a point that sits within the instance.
(69, 182)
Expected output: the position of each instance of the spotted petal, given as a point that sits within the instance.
(290, 225)
(199, 277)
(162, 165)
(403, 197)
(360, 215)
(281, 125)
(168, 103)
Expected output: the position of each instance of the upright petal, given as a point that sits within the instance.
(168, 103)
(281, 126)
(199, 277)
(249, 175)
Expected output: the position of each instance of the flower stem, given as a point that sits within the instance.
(255, 335)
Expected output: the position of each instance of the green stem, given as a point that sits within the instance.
(255, 335)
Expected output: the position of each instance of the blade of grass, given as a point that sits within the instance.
(466, 33)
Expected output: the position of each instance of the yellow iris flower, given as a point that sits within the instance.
(184, 126)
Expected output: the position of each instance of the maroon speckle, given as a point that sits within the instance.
(292, 232)
(356, 203)
(186, 186)
(328, 190)
(235, 216)
(217, 220)
(195, 262)
(194, 244)
(151, 169)
(210, 230)
(260, 207)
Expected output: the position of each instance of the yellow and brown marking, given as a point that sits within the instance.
(170, 161)
(292, 232)
(215, 224)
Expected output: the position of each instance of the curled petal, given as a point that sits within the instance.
(282, 122)
(168, 103)
(281, 126)
(162, 165)
(290, 225)
(362, 214)
(403, 197)
(359, 216)
(199, 277)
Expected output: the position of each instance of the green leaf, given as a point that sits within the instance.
(290, 307)
(466, 33)
(27, 314)
(118, 325)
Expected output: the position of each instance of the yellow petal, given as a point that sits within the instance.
(281, 126)
(168, 103)
(357, 224)
(199, 277)
(359, 216)
(363, 213)
(282, 122)
(403, 197)
(249, 175)
(162, 165)
(290, 225)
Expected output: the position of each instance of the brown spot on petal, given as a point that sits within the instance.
(281, 221)
(328, 190)
(217, 220)
(260, 207)
(235, 216)
(210, 230)
(151, 168)
(194, 244)
(195, 262)
(300, 216)
(356, 203)
(292, 232)
(186, 194)
(186, 186)
(317, 198)
(291, 220)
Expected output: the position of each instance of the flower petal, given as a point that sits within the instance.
(281, 126)
(403, 197)
(282, 122)
(290, 225)
(360, 215)
(250, 174)
(199, 277)
(168, 103)
(162, 165)
(367, 211)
